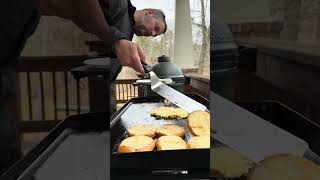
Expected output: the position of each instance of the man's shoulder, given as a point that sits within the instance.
(119, 3)
(118, 7)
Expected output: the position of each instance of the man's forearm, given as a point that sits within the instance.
(87, 14)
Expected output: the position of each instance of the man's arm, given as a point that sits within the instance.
(88, 15)
(130, 54)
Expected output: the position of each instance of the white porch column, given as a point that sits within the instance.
(183, 52)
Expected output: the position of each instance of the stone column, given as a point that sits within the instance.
(183, 52)
(309, 29)
(291, 19)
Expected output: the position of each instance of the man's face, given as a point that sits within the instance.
(149, 25)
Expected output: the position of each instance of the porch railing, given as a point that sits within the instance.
(48, 93)
(125, 90)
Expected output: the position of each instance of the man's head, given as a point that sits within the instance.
(149, 22)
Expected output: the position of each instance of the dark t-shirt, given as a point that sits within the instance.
(120, 17)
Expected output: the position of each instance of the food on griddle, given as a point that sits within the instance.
(227, 163)
(199, 142)
(199, 123)
(170, 143)
(169, 113)
(142, 130)
(170, 130)
(136, 144)
(285, 167)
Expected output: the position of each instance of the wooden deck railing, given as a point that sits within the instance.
(48, 93)
(125, 90)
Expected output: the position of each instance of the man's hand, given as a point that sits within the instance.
(130, 54)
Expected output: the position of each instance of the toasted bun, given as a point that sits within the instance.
(136, 144)
(170, 143)
(285, 167)
(170, 130)
(169, 113)
(199, 123)
(198, 142)
(227, 163)
(142, 130)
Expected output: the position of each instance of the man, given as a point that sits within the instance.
(113, 21)
(125, 21)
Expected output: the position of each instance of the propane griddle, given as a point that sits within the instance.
(137, 111)
(75, 149)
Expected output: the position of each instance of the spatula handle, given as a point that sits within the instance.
(312, 156)
(147, 68)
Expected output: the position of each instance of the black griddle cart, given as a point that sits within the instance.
(78, 148)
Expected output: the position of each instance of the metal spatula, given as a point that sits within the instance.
(171, 94)
(148, 81)
(252, 136)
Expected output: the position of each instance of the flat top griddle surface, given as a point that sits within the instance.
(73, 155)
(139, 113)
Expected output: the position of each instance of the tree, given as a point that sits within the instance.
(204, 45)
(155, 47)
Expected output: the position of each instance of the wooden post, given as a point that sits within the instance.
(99, 93)
(14, 105)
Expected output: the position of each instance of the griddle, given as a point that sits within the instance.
(284, 117)
(78, 148)
(137, 111)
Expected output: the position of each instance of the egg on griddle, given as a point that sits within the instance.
(227, 163)
(170, 130)
(136, 144)
(199, 142)
(169, 113)
(170, 143)
(142, 130)
(285, 167)
(199, 123)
